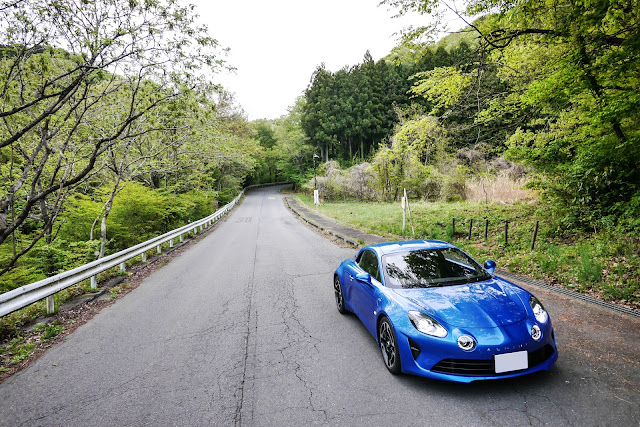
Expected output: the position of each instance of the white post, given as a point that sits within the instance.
(122, 267)
(144, 257)
(50, 305)
(181, 238)
(159, 249)
(94, 283)
(171, 243)
(406, 199)
(316, 197)
(404, 212)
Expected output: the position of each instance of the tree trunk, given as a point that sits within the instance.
(103, 224)
(596, 88)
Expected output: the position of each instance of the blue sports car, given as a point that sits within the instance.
(436, 312)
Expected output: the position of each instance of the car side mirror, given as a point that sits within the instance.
(363, 277)
(490, 266)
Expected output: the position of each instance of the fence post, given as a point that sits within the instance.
(535, 234)
(486, 229)
(470, 227)
(453, 228)
(506, 232)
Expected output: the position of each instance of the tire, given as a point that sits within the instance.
(389, 346)
(337, 289)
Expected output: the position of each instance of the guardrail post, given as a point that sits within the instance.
(122, 267)
(50, 305)
(171, 243)
(144, 257)
(94, 283)
(159, 249)
(181, 238)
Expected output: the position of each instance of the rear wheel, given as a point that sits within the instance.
(389, 346)
(337, 288)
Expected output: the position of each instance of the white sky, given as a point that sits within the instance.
(277, 44)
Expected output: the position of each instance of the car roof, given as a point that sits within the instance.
(408, 245)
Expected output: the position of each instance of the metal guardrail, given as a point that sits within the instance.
(26, 295)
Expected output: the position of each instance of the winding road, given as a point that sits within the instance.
(242, 330)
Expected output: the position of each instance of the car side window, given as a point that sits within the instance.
(369, 263)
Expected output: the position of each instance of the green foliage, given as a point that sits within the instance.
(397, 167)
(426, 137)
(454, 186)
(139, 214)
(18, 350)
(589, 270)
(52, 331)
(347, 113)
(442, 86)
(559, 87)
(61, 255)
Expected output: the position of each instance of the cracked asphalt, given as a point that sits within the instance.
(242, 330)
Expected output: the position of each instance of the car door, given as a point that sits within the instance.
(364, 294)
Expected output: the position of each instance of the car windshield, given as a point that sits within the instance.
(431, 267)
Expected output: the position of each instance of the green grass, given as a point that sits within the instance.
(606, 265)
(18, 350)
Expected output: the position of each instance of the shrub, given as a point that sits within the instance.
(454, 187)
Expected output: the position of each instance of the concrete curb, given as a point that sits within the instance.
(320, 227)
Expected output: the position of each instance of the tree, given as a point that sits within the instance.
(352, 110)
(564, 81)
(62, 64)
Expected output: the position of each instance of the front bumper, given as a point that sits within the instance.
(441, 358)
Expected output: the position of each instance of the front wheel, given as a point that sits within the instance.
(389, 346)
(337, 289)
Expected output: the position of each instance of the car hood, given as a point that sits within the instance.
(486, 304)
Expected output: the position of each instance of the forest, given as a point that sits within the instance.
(550, 86)
(114, 131)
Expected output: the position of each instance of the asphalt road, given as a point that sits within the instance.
(242, 330)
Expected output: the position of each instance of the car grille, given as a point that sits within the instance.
(487, 366)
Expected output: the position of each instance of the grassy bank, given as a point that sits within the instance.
(603, 264)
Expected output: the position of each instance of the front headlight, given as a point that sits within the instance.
(427, 325)
(538, 310)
